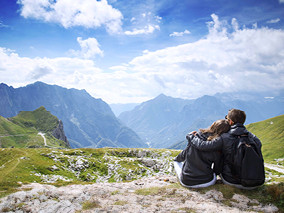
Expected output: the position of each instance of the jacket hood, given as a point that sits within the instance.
(238, 129)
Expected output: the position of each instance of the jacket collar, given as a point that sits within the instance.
(238, 129)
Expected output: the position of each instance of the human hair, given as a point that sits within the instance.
(216, 129)
(237, 116)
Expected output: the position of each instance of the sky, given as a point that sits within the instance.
(130, 51)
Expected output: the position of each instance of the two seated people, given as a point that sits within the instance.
(227, 149)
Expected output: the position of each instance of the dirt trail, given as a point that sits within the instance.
(44, 139)
(12, 164)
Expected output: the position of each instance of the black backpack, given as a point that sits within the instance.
(247, 162)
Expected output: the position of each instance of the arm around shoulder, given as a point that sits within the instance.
(214, 145)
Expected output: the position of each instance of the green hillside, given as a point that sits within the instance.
(22, 130)
(40, 119)
(66, 166)
(271, 134)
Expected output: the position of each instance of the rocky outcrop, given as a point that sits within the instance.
(59, 133)
(112, 165)
(151, 194)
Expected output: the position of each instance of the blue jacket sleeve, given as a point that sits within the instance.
(201, 144)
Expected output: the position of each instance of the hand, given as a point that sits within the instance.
(193, 133)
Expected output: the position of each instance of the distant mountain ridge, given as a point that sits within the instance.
(88, 122)
(32, 129)
(119, 108)
(164, 121)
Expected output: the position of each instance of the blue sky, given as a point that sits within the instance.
(126, 51)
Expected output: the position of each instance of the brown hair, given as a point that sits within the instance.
(217, 128)
(237, 116)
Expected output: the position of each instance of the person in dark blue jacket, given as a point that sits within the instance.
(225, 144)
(195, 168)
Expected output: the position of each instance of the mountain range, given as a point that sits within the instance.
(164, 121)
(88, 122)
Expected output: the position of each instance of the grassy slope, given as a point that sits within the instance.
(271, 134)
(22, 130)
(21, 165)
(40, 119)
(12, 134)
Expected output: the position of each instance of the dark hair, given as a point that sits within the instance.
(237, 116)
(216, 129)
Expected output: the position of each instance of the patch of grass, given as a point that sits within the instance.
(120, 202)
(151, 191)
(276, 193)
(91, 204)
(20, 205)
(6, 209)
(115, 192)
(164, 190)
(187, 210)
(8, 187)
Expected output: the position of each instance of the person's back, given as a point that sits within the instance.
(197, 165)
(197, 170)
(230, 140)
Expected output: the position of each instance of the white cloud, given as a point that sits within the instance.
(158, 19)
(145, 23)
(89, 48)
(281, 1)
(3, 25)
(146, 30)
(247, 59)
(174, 34)
(19, 71)
(273, 21)
(86, 13)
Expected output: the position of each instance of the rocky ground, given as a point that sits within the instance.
(149, 194)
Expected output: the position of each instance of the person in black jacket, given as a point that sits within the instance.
(196, 169)
(225, 143)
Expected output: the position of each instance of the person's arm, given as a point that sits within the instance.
(201, 144)
(181, 156)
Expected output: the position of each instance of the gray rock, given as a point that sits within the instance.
(148, 162)
(59, 133)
